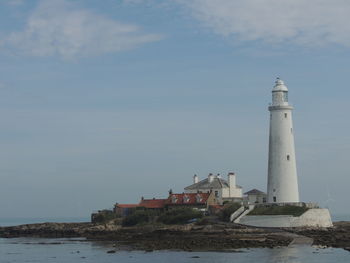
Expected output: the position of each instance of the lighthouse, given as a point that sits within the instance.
(282, 183)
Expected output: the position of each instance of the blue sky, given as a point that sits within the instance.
(106, 101)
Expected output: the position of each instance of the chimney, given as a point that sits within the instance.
(231, 183)
(195, 179)
(210, 177)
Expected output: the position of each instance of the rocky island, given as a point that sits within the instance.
(219, 236)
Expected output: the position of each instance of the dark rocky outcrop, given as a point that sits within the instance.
(49, 230)
(337, 236)
(191, 237)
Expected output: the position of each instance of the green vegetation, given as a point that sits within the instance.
(229, 208)
(103, 216)
(139, 217)
(279, 210)
(206, 220)
(174, 216)
(179, 216)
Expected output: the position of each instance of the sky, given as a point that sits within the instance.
(107, 101)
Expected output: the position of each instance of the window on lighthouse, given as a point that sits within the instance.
(285, 96)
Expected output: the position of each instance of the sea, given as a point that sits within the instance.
(64, 250)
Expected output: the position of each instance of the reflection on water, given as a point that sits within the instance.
(286, 254)
(79, 250)
(304, 253)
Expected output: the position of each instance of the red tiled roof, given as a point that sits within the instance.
(152, 203)
(188, 199)
(126, 205)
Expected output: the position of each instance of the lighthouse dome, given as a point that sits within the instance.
(279, 86)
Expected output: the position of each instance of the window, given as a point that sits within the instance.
(285, 96)
(285, 115)
(186, 199)
(216, 194)
(199, 198)
(264, 199)
(274, 199)
(288, 157)
(173, 199)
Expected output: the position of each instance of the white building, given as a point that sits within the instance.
(255, 196)
(282, 184)
(222, 189)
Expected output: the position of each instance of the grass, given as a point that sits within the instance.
(279, 210)
(179, 216)
(103, 216)
(228, 210)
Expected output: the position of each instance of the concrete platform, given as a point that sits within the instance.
(315, 217)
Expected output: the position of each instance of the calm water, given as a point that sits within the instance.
(42, 250)
(73, 250)
(22, 221)
(340, 217)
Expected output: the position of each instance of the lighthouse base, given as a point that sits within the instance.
(315, 217)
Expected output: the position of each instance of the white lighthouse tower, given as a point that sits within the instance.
(282, 184)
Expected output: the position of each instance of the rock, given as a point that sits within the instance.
(111, 251)
(214, 237)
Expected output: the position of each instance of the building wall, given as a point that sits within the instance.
(225, 192)
(316, 217)
(212, 200)
(258, 198)
(236, 192)
(124, 211)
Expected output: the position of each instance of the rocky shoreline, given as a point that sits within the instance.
(337, 236)
(190, 237)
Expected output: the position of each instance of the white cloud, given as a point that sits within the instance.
(316, 22)
(56, 27)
